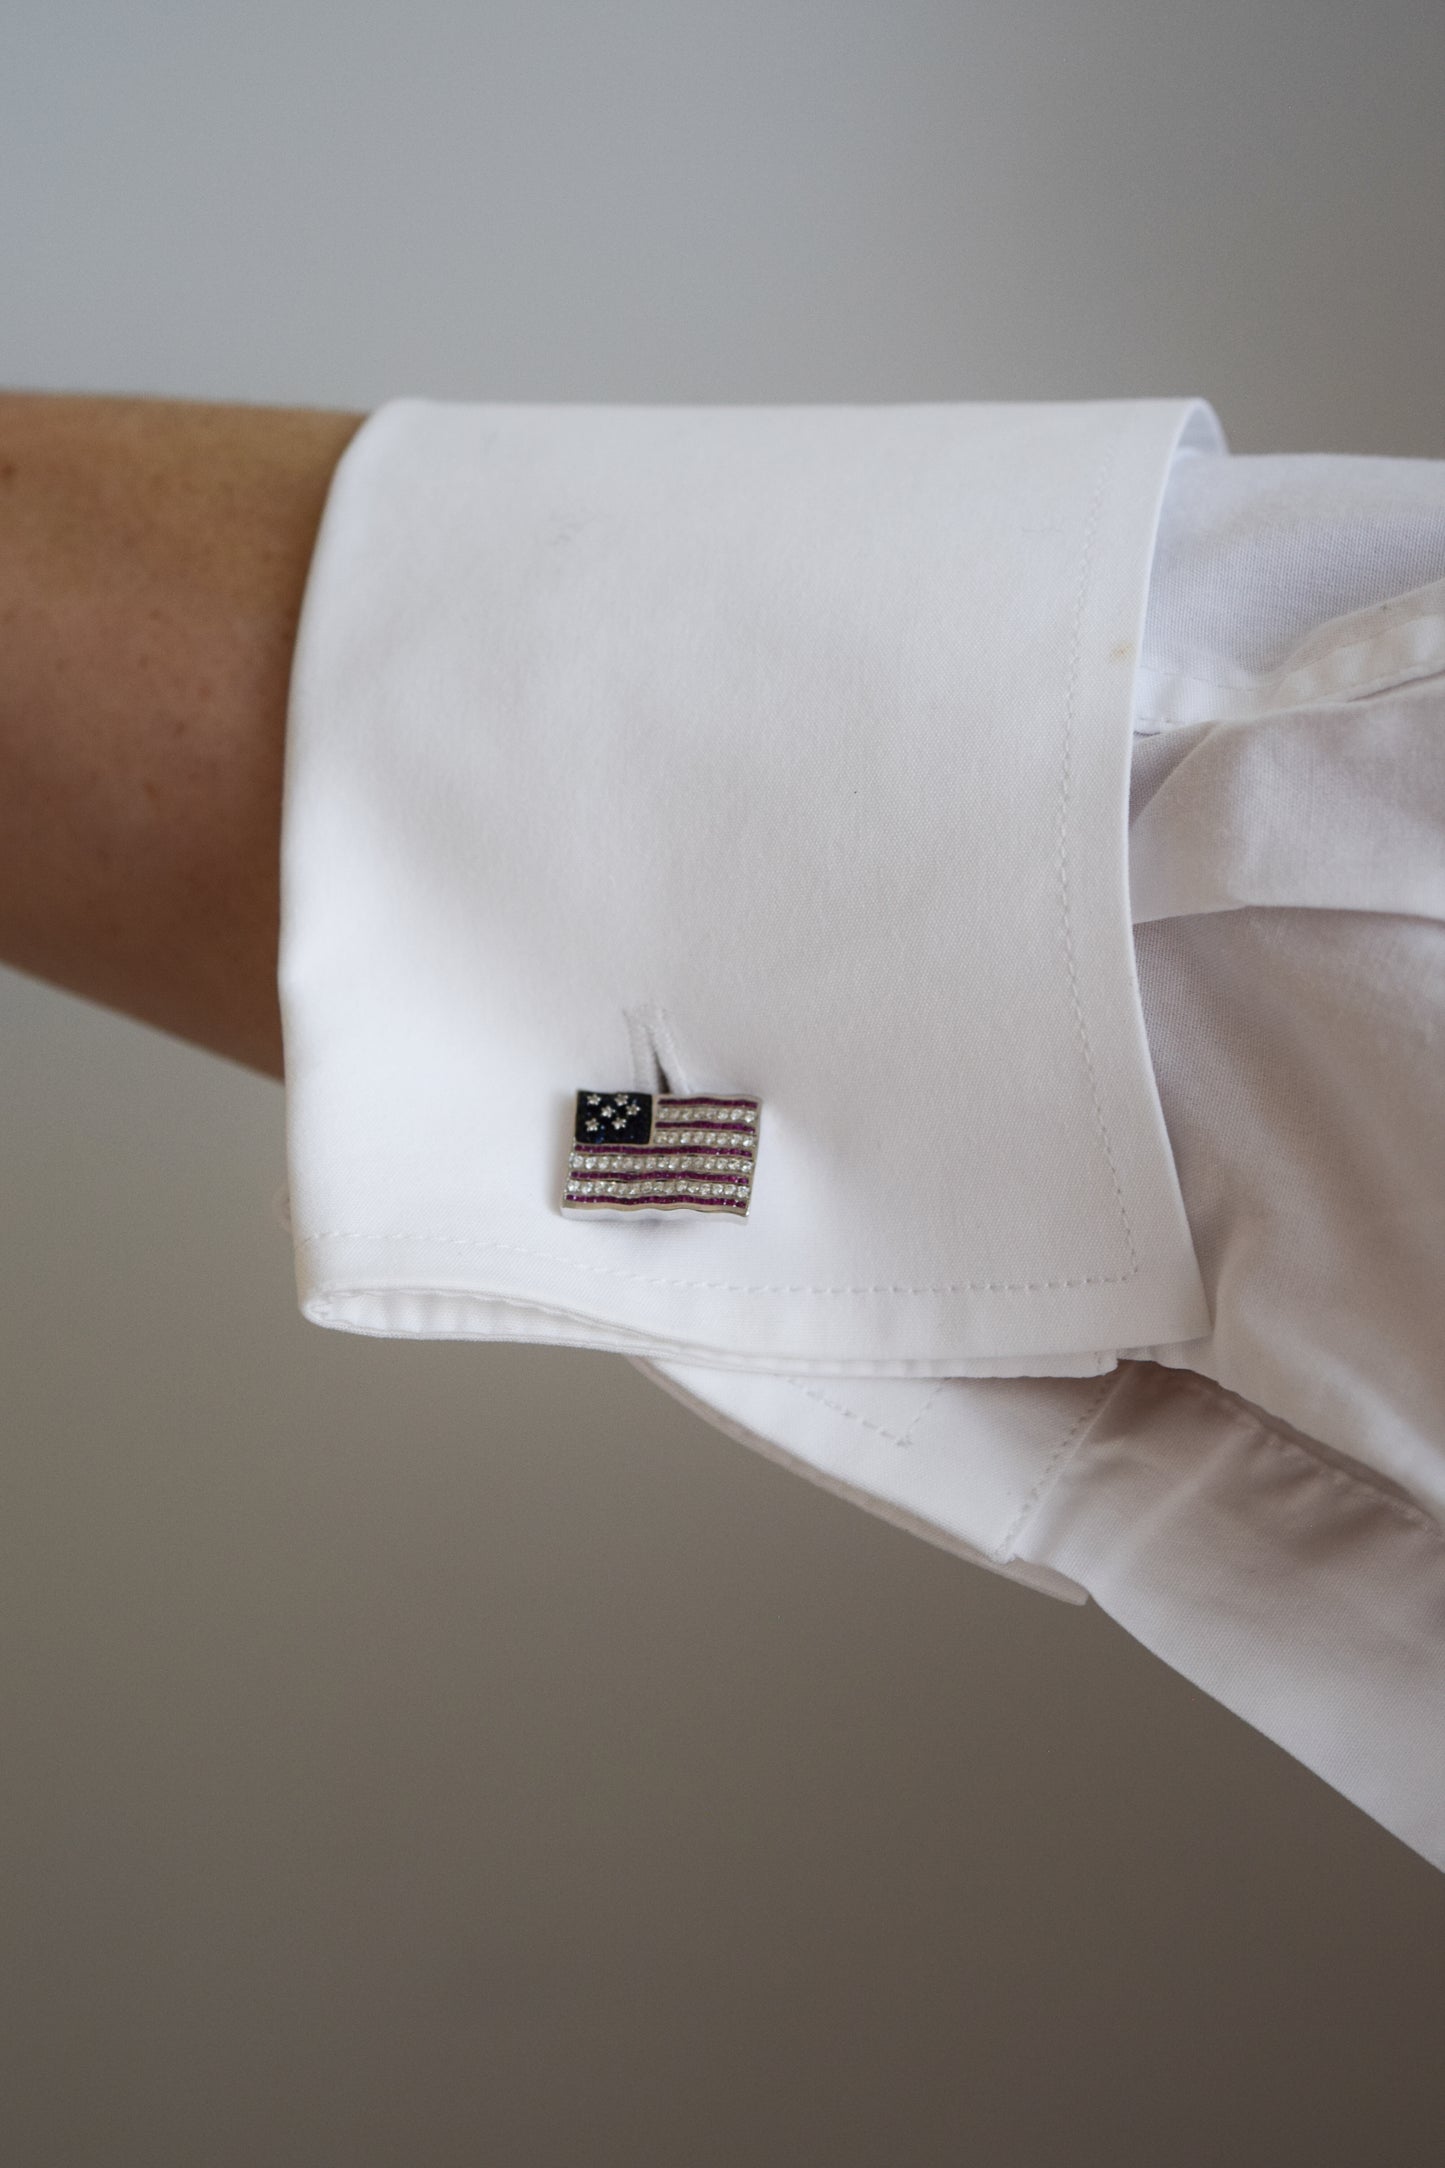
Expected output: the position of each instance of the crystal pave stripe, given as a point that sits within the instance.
(650, 1184)
(626, 1195)
(709, 1176)
(678, 1139)
(697, 1182)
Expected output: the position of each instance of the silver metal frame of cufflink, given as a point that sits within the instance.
(663, 1152)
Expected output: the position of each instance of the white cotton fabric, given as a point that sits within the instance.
(1255, 1492)
(797, 741)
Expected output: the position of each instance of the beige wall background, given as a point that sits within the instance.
(423, 1756)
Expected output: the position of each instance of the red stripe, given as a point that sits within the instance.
(661, 1151)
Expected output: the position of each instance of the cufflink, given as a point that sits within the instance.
(646, 1152)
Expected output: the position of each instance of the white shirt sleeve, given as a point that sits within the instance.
(1263, 1506)
(792, 755)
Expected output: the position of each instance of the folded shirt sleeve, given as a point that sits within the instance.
(777, 755)
(1267, 1512)
(779, 761)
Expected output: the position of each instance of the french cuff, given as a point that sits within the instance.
(755, 754)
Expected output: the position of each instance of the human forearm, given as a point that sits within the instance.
(153, 555)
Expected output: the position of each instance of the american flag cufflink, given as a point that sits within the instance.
(646, 1152)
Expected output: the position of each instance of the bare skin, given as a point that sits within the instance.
(153, 557)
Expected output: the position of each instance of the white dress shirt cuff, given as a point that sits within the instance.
(777, 752)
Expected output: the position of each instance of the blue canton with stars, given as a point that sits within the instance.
(605, 1118)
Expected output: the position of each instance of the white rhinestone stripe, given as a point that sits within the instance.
(721, 1139)
(669, 1112)
(665, 1185)
(684, 1163)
